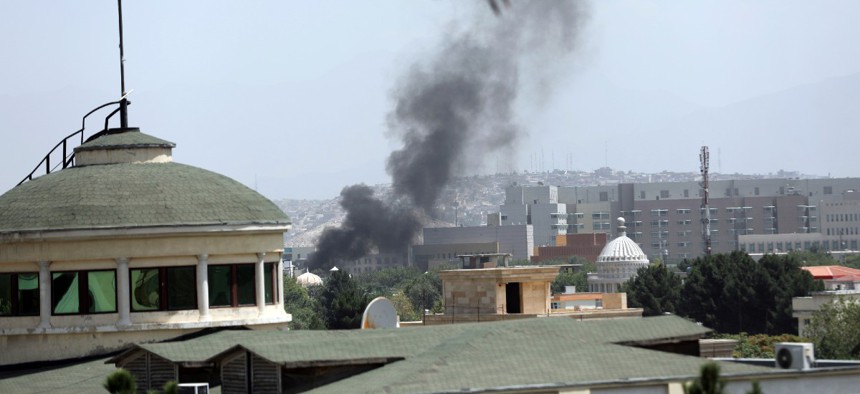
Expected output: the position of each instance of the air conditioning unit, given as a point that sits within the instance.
(791, 355)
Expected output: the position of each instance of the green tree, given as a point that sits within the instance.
(655, 289)
(387, 281)
(343, 301)
(120, 382)
(708, 382)
(304, 308)
(404, 307)
(424, 291)
(835, 329)
(731, 293)
(578, 278)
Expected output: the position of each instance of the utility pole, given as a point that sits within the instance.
(706, 212)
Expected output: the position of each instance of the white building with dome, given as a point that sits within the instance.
(619, 261)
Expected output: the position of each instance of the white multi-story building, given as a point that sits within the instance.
(537, 206)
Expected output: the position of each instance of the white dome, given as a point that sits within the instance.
(308, 279)
(622, 249)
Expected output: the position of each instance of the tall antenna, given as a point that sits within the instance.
(123, 102)
(706, 212)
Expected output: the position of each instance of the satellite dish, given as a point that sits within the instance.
(380, 313)
(784, 358)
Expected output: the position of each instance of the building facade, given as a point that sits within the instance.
(127, 246)
(666, 219)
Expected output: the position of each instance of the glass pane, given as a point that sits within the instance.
(245, 284)
(182, 288)
(268, 269)
(28, 294)
(145, 292)
(5, 294)
(101, 287)
(219, 286)
(64, 292)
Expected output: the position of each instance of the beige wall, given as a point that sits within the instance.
(473, 291)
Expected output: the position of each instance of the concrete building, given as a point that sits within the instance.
(586, 245)
(665, 219)
(618, 262)
(126, 246)
(537, 206)
(425, 257)
(517, 240)
(520, 291)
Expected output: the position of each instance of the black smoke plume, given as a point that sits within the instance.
(452, 111)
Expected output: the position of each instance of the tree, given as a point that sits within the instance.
(731, 293)
(120, 382)
(655, 289)
(758, 345)
(578, 278)
(388, 281)
(425, 290)
(708, 382)
(835, 329)
(305, 309)
(343, 301)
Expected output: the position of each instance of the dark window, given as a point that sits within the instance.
(159, 289)
(232, 285)
(664, 194)
(269, 282)
(19, 294)
(604, 196)
(83, 292)
(828, 189)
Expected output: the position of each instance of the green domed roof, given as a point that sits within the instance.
(129, 195)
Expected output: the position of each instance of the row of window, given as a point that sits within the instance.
(152, 289)
(762, 247)
(843, 217)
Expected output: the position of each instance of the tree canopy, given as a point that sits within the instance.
(343, 301)
(655, 289)
(732, 293)
(835, 329)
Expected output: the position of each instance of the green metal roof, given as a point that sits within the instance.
(125, 138)
(479, 356)
(132, 195)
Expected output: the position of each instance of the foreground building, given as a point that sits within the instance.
(542, 355)
(126, 246)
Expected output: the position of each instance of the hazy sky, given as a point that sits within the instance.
(292, 97)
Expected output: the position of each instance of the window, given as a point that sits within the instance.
(159, 289)
(604, 196)
(19, 294)
(83, 292)
(664, 194)
(828, 189)
(269, 282)
(231, 285)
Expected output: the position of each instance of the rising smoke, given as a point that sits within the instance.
(451, 111)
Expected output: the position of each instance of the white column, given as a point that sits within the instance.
(279, 279)
(261, 282)
(44, 294)
(123, 293)
(203, 287)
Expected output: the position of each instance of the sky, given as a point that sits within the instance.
(292, 98)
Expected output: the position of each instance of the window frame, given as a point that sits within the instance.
(15, 300)
(164, 287)
(84, 300)
(233, 285)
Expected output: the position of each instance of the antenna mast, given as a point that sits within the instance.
(706, 212)
(123, 102)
